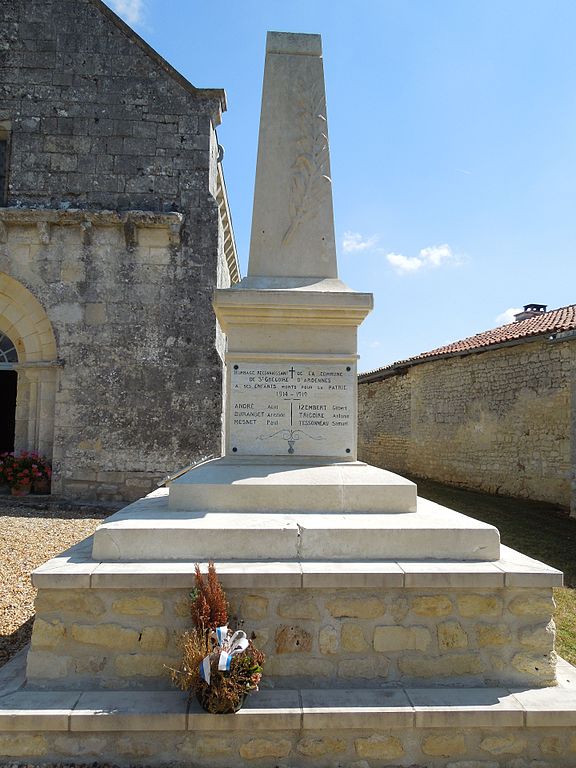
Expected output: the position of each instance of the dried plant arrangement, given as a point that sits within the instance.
(220, 666)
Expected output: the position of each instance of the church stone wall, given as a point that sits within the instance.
(500, 421)
(102, 130)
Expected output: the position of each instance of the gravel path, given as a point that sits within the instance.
(32, 532)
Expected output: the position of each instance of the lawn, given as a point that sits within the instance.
(534, 528)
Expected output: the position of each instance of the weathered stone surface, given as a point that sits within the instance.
(473, 605)
(503, 745)
(111, 636)
(432, 605)
(401, 639)
(379, 747)
(47, 634)
(143, 605)
(286, 665)
(293, 640)
(552, 746)
(399, 609)
(445, 666)
(144, 665)
(541, 665)
(447, 744)
(538, 637)
(131, 746)
(22, 745)
(473, 764)
(211, 746)
(154, 638)
(298, 608)
(328, 640)
(73, 601)
(254, 607)
(80, 745)
(352, 638)
(41, 664)
(356, 607)
(256, 748)
(532, 604)
(493, 634)
(317, 746)
(451, 635)
(364, 668)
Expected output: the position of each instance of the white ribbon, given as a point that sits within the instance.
(230, 645)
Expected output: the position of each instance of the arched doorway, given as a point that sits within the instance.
(8, 389)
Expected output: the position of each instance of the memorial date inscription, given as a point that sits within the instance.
(277, 409)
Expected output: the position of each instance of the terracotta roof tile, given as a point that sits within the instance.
(554, 321)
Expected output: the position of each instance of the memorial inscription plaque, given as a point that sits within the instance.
(302, 409)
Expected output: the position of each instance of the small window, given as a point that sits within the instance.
(3, 171)
(8, 352)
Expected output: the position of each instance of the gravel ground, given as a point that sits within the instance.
(32, 532)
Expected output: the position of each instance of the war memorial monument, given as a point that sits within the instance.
(397, 632)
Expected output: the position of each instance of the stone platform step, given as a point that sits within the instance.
(416, 726)
(149, 529)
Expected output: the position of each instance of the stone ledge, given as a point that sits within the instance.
(277, 710)
(75, 569)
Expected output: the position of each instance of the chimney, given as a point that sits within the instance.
(530, 310)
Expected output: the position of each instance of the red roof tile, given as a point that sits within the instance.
(554, 321)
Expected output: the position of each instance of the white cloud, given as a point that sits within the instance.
(130, 10)
(432, 256)
(353, 242)
(374, 344)
(508, 315)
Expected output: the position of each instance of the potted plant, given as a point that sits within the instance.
(219, 666)
(6, 470)
(25, 471)
(41, 473)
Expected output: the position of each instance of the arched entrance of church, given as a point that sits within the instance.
(28, 371)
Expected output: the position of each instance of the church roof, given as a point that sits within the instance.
(553, 323)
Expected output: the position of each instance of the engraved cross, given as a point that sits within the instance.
(292, 371)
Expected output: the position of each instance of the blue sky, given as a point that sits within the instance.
(453, 147)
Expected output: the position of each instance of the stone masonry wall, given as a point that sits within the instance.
(500, 421)
(313, 638)
(98, 124)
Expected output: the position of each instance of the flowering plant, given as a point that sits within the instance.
(219, 666)
(23, 468)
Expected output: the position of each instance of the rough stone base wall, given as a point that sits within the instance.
(327, 638)
(513, 747)
(500, 421)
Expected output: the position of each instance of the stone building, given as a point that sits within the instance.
(114, 231)
(494, 412)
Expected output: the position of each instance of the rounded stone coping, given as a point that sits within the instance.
(280, 709)
(75, 569)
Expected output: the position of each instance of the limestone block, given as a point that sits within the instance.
(80, 745)
(318, 746)
(72, 601)
(95, 313)
(364, 667)
(471, 606)
(538, 637)
(46, 665)
(401, 639)
(299, 665)
(451, 635)
(445, 666)
(552, 746)
(260, 636)
(541, 665)
(255, 748)
(432, 605)
(134, 664)
(298, 608)
(503, 745)
(379, 746)
(328, 639)
(493, 634)
(154, 237)
(290, 639)
(356, 607)
(399, 609)
(88, 665)
(47, 634)
(22, 745)
(111, 636)
(472, 764)
(154, 638)
(133, 747)
(352, 638)
(139, 606)
(254, 607)
(532, 604)
(447, 744)
(211, 746)
(182, 608)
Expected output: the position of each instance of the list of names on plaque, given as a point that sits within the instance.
(296, 408)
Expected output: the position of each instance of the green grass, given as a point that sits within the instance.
(533, 528)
